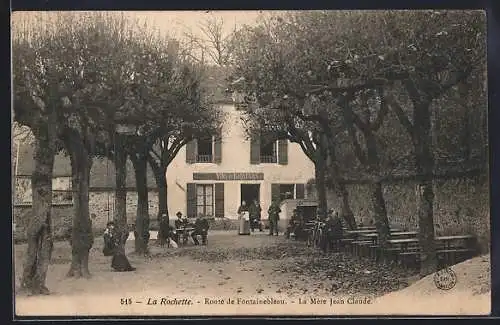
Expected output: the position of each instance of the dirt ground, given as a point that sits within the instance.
(223, 278)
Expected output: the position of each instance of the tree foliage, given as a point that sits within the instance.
(365, 76)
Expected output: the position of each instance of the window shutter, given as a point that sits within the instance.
(191, 200)
(283, 152)
(299, 191)
(219, 200)
(191, 149)
(255, 150)
(275, 192)
(218, 147)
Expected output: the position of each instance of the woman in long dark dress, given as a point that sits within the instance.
(119, 262)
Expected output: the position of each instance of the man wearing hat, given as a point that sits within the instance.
(180, 222)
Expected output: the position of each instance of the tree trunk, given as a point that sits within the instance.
(320, 177)
(159, 171)
(82, 237)
(377, 195)
(142, 219)
(381, 220)
(346, 212)
(425, 192)
(466, 132)
(120, 217)
(39, 232)
(340, 188)
(162, 197)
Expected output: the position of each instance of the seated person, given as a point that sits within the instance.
(120, 263)
(110, 240)
(200, 229)
(112, 247)
(181, 220)
(334, 230)
(166, 232)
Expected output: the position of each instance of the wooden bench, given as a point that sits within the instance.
(357, 246)
(454, 255)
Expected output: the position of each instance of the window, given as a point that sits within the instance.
(267, 151)
(61, 189)
(205, 150)
(23, 190)
(287, 191)
(204, 199)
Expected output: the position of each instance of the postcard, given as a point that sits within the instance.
(201, 163)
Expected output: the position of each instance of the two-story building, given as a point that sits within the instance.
(212, 176)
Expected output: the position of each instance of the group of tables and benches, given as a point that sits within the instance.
(403, 246)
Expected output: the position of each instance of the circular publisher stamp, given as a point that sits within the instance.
(445, 279)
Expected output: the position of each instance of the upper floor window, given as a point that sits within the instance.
(206, 149)
(268, 151)
(204, 152)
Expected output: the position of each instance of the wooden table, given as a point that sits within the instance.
(362, 231)
(374, 236)
(184, 234)
(362, 228)
(448, 240)
(403, 243)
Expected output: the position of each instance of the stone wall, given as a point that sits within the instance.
(61, 187)
(101, 204)
(62, 216)
(460, 206)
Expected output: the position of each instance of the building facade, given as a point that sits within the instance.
(212, 176)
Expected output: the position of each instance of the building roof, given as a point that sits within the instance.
(102, 174)
(26, 164)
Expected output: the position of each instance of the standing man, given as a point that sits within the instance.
(292, 224)
(255, 211)
(273, 213)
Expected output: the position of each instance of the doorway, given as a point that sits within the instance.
(250, 192)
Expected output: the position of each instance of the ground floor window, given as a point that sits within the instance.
(205, 199)
(287, 191)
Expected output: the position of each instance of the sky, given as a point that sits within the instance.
(169, 23)
(176, 22)
(173, 23)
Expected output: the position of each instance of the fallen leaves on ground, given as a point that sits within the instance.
(307, 269)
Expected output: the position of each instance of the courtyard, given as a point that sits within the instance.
(201, 280)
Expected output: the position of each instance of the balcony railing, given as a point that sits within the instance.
(204, 158)
(268, 159)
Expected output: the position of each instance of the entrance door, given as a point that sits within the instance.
(250, 192)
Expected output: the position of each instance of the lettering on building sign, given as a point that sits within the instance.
(228, 176)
